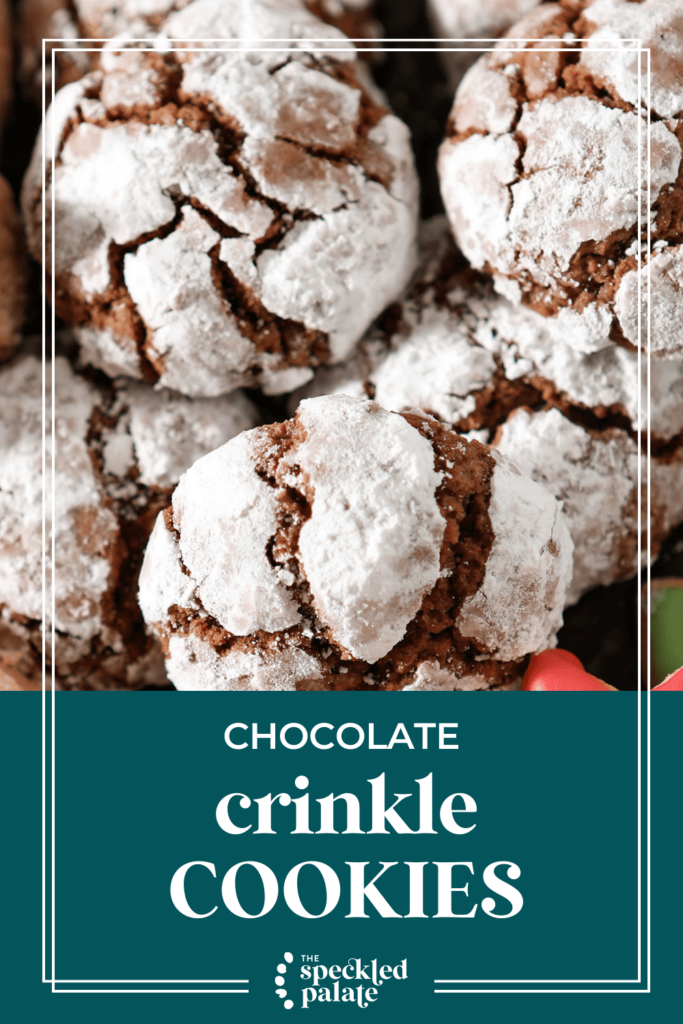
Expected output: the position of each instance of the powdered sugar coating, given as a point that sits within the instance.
(431, 677)
(436, 368)
(445, 378)
(530, 344)
(457, 19)
(162, 580)
(370, 550)
(666, 483)
(348, 518)
(280, 382)
(595, 477)
(518, 608)
(170, 432)
(158, 434)
(593, 473)
(170, 280)
(351, 377)
(445, 350)
(532, 226)
(545, 192)
(106, 18)
(194, 665)
(666, 397)
(320, 272)
(568, 141)
(86, 533)
(119, 178)
(271, 100)
(117, 452)
(56, 118)
(663, 335)
(658, 25)
(116, 354)
(484, 101)
(586, 330)
(78, 20)
(462, 19)
(286, 23)
(475, 178)
(296, 178)
(21, 487)
(225, 515)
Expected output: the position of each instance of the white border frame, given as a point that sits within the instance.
(630, 46)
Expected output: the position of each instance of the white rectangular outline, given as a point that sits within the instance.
(237, 46)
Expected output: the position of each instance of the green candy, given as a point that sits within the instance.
(667, 631)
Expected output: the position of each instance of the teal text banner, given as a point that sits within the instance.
(383, 853)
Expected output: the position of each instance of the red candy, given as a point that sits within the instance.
(556, 670)
(672, 682)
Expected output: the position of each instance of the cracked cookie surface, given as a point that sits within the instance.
(540, 170)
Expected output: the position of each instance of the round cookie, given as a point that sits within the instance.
(380, 551)
(539, 171)
(119, 453)
(225, 219)
(13, 272)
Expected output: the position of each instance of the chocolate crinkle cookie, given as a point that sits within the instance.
(540, 171)
(225, 219)
(379, 551)
(507, 376)
(120, 450)
(13, 272)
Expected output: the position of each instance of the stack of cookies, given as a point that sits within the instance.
(304, 439)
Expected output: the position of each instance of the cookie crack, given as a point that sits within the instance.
(292, 341)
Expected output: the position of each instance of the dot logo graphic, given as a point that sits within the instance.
(280, 990)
